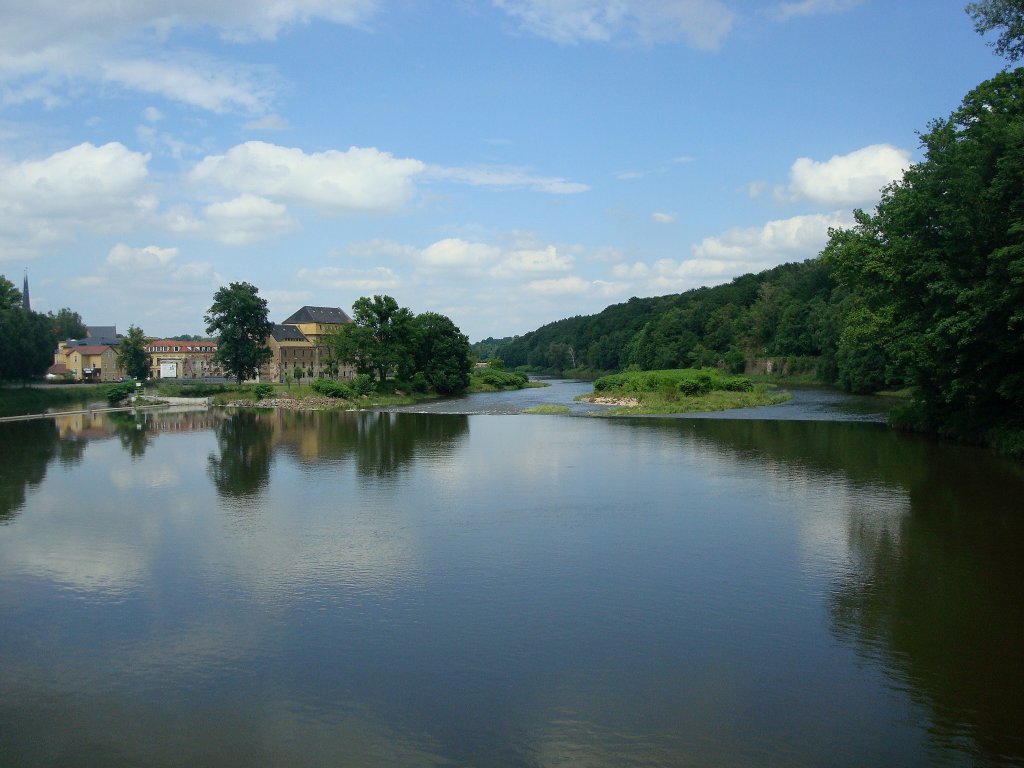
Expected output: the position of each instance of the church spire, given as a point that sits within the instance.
(24, 294)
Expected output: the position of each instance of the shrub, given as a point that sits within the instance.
(737, 384)
(262, 391)
(121, 391)
(336, 389)
(362, 384)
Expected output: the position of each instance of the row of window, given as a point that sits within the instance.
(179, 349)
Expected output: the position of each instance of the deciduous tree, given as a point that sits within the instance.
(132, 357)
(238, 318)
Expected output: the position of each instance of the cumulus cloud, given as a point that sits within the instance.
(852, 179)
(799, 237)
(736, 251)
(343, 278)
(663, 218)
(247, 218)
(454, 253)
(358, 180)
(700, 23)
(122, 255)
(510, 178)
(84, 188)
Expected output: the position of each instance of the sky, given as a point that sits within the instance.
(507, 163)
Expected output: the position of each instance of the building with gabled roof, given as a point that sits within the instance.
(301, 343)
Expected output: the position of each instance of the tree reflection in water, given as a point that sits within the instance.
(934, 593)
(243, 467)
(26, 449)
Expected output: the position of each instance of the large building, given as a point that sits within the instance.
(176, 359)
(299, 346)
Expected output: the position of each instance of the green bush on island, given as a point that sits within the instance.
(493, 378)
(683, 390)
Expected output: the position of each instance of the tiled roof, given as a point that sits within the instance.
(287, 333)
(324, 315)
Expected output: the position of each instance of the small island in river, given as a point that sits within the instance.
(684, 390)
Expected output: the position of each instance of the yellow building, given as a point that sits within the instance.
(94, 362)
(301, 342)
(176, 359)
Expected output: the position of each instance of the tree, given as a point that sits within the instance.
(132, 357)
(378, 341)
(1005, 15)
(238, 318)
(10, 296)
(66, 324)
(26, 346)
(941, 264)
(441, 353)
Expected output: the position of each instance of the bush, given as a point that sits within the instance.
(116, 393)
(502, 379)
(737, 384)
(362, 384)
(336, 389)
(262, 391)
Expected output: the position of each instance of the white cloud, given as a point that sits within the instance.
(852, 179)
(342, 278)
(268, 123)
(122, 255)
(788, 10)
(246, 219)
(511, 178)
(797, 238)
(360, 179)
(531, 261)
(44, 43)
(735, 252)
(84, 188)
(214, 86)
(663, 218)
(701, 23)
(454, 253)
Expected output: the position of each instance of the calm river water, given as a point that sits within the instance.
(793, 587)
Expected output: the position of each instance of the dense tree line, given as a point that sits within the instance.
(28, 339)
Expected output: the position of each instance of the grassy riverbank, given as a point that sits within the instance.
(680, 391)
(494, 380)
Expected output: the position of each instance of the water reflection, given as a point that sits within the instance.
(931, 588)
(310, 588)
(242, 468)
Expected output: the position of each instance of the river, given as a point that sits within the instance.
(796, 585)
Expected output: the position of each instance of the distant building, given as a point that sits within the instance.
(24, 295)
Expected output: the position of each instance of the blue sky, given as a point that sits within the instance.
(505, 162)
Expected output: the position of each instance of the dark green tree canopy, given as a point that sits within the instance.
(132, 357)
(66, 324)
(441, 353)
(10, 296)
(378, 341)
(238, 319)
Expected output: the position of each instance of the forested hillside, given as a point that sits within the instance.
(927, 292)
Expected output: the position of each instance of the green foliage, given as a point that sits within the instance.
(1004, 15)
(10, 296)
(440, 352)
(238, 318)
(263, 391)
(491, 378)
(496, 363)
(66, 324)
(330, 388)
(26, 345)
(132, 357)
(116, 393)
